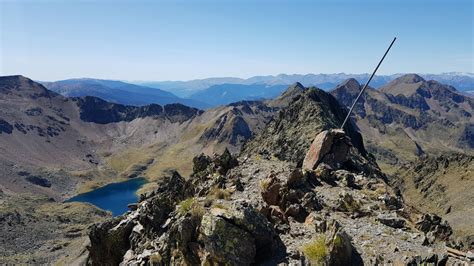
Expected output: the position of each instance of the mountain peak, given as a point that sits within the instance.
(14, 78)
(286, 97)
(295, 88)
(409, 79)
(405, 85)
(350, 82)
(24, 86)
(350, 85)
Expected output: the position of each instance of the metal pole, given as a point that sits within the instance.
(366, 84)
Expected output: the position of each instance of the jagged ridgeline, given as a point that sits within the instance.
(410, 117)
(289, 134)
(261, 208)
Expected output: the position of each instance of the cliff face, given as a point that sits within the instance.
(96, 110)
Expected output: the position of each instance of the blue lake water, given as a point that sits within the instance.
(113, 197)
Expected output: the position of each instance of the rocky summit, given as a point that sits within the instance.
(261, 207)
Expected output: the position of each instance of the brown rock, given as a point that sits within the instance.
(321, 145)
(329, 146)
(270, 187)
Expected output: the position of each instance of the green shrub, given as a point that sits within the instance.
(315, 251)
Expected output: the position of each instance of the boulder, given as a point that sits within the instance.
(391, 220)
(226, 243)
(319, 147)
(311, 202)
(225, 162)
(109, 241)
(339, 247)
(296, 211)
(201, 162)
(270, 189)
(296, 179)
(329, 146)
(238, 235)
(434, 227)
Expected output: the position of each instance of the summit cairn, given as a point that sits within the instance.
(330, 147)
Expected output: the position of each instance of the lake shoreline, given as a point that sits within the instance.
(113, 197)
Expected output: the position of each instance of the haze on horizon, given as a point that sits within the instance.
(183, 40)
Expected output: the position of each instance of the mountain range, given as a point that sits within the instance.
(212, 92)
(459, 80)
(53, 146)
(118, 92)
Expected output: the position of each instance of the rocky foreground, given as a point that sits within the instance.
(267, 207)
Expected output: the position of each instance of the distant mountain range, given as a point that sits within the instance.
(211, 92)
(118, 92)
(460, 80)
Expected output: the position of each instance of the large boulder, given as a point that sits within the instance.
(225, 242)
(236, 235)
(109, 241)
(329, 146)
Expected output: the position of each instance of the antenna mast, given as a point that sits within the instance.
(366, 84)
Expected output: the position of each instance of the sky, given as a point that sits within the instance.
(183, 40)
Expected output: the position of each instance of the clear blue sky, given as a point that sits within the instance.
(180, 40)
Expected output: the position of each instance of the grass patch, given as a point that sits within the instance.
(166, 159)
(191, 206)
(122, 161)
(219, 206)
(219, 193)
(185, 205)
(155, 259)
(315, 251)
(265, 183)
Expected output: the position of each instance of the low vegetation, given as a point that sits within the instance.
(315, 251)
(192, 206)
(219, 193)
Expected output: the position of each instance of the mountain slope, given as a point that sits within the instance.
(52, 147)
(118, 92)
(409, 117)
(442, 185)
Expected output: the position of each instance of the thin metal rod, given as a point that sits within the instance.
(366, 84)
